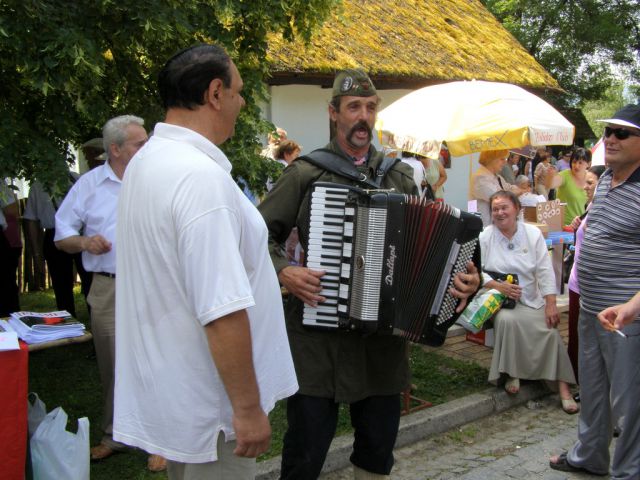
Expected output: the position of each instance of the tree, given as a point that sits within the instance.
(611, 101)
(69, 65)
(584, 44)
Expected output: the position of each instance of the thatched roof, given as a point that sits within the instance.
(408, 44)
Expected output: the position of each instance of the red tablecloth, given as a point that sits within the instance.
(14, 380)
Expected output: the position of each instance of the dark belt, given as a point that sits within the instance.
(106, 274)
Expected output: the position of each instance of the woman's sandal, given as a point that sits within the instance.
(512, 386)
(570, 406)
(563, 465)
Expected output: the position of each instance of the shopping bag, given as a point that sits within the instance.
(484, 306)
(36, 411)
(505, 277)
(58, 454)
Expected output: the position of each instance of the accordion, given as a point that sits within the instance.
(389, 259)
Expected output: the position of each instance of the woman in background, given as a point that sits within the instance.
(571, 185)
(579, 224)
(486, 181)
(543, 173)
(435, 175)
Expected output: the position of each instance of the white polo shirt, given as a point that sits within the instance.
(90, 208)
(192, 249)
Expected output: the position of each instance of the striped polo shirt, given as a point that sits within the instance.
(609, 262)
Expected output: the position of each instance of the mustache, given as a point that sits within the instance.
(358, 126)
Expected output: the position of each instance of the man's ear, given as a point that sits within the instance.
(332, 113)
(214, 92)
(114, 150)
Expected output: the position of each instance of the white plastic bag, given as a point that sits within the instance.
(36, 411)
(484, 306)
(57, 454)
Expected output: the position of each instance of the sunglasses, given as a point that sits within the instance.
(620, 133)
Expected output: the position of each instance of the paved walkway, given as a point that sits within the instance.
(484, 436)
(516, 443)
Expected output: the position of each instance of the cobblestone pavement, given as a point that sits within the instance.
(514, 444)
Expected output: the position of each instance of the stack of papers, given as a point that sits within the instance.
(8, 338)
(34, 327)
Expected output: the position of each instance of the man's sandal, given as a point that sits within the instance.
(563, 465)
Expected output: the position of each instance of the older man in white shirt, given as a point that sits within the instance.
(86, 222)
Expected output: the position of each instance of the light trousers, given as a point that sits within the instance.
(228, 466)
(609, 369)
(102, 299)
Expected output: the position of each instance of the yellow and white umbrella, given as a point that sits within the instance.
(471, 116)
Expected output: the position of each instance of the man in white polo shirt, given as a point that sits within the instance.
(203, 353)
(86, 222)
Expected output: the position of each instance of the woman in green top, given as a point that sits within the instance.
(571, 184)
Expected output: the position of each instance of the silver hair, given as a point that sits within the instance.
(115, 130)
(521, 179)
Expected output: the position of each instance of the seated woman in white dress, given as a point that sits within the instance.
(527, 343)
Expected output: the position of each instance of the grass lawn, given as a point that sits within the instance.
(68, 377)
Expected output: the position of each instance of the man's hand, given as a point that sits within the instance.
(96, 245)
(616, 317)
(230, 344)
(253, 433)
(465, 285)
(304, 283)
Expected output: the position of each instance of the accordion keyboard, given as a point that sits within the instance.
(329, 248)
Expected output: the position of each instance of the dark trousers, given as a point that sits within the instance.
(312, 425)
(60, 266)
(574, 314)
(9, 293)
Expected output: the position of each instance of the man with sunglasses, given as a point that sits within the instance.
(610, 342)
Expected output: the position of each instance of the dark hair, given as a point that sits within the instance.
(580, 154)
(508, 195)
(597, 170)
(335, 103)
(537, 159)
(186, 76)
(285, 147)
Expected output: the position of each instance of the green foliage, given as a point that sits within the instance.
(68, 66)
(604, 107)
(585, 44)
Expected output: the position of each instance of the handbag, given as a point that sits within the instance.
(509, 303)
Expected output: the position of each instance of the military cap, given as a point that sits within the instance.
(94, 143)
(352, 82)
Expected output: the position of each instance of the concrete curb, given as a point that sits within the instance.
(425, 423)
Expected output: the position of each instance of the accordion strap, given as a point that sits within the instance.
(335, 163)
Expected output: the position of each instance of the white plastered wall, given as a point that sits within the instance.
(302, 111)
